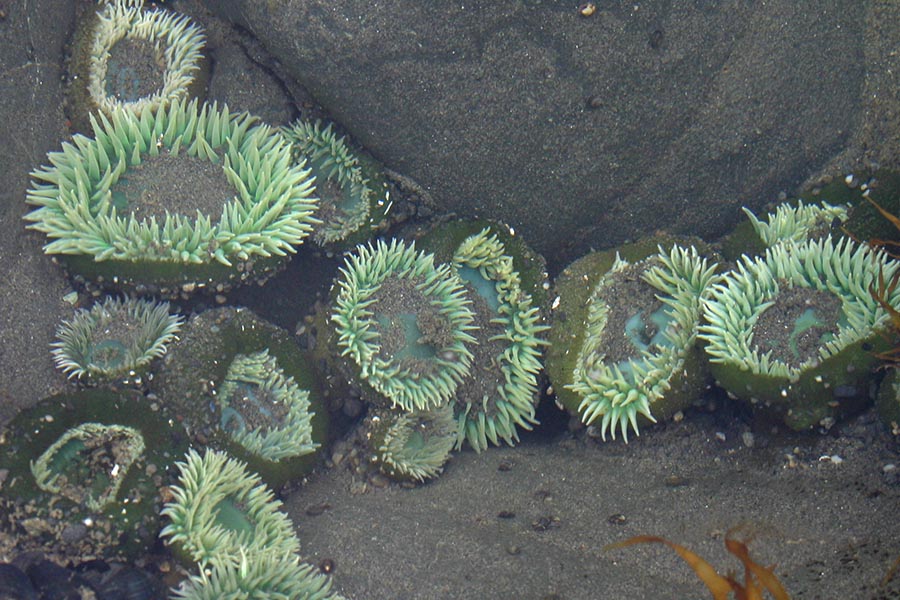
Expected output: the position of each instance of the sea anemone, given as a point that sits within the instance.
(116, 206)
(405, 323)
(117, 338)
(640, 331)
(797, 223)
(87, 463)
(793, 331)
(259, 574)
(501, 392)
(263, 410)
(94, 459)
(351, 193)
(412, 446)
(141, 59)
(240, 383)
(219, 509)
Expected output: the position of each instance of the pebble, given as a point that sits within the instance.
(73, 533)
(748, 438)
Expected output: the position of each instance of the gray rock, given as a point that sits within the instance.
(32, 36)
(582, 131)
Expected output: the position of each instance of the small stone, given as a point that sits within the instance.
(317, 509)
(513, 550)
(73, 533)
(748, 439)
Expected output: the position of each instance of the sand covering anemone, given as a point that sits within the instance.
(170, 44)
(115, 338)
(641, 327)
(404, 322)
(794, 329)
(122, 199)
(501, 392)
(94, 456)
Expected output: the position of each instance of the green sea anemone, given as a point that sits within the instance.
(501, 392)
(405, 323)
(352, 194)
(142, 59)
(797, 223)
(94, 461)
(219, 509)
(641, 329)
(265, 411)
(116, 206)
(257, 575)
(115, 339)
(794, 331)
(412, 446)
(242, 384)
(88, 462)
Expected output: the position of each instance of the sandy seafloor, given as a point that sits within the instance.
(824, 506)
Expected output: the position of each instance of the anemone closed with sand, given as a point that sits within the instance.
(95, 458)
(189, 195)
(219, 509)
(405, 323)
(114, 339)
(793, 332)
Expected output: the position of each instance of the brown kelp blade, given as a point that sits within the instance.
(764, 575)
(719, 586)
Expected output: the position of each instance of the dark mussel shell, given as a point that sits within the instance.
(129, 583)
(15, 584)
(54, 582)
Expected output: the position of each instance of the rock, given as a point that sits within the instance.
(640, 117)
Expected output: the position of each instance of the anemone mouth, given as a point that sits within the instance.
(405, 323)
(219, 509)
(642, 323)
(265, 411)
(88, 463)
(500, 394)
(345, 195)
(755, 299)
(115, 338)
(141, 59)
(413, 445)
(110, 197)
